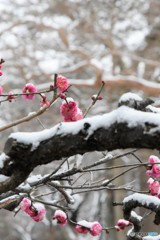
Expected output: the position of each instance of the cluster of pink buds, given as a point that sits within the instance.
(153, 171)
(84, 227)
(70, 111)
(61, 217)
(154, 167)
(29, 88)
(96, 97)
(122, 224)
(36, 212)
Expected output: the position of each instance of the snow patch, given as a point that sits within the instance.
(3, 157)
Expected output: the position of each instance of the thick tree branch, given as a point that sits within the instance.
(123, 128)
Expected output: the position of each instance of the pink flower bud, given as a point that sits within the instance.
(51, 87)
(95, 229)
(117, 228)
(81, 229)
(61, 217)
(62, 95)
(29, 88)
(122, 223)
(100, 98)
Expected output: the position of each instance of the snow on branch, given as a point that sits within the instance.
(122, 128)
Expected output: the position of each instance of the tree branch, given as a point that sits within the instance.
(121, 129)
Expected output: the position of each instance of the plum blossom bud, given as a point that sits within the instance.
(61, 217)
(122, 223)
(51, 87)
(96, 97)
(62, 95)
(95, 229)
(62, 83)
(29, 88)
(82, 229)
(117, 228)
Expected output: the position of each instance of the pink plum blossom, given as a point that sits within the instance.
(154, 169)
(61, 217)
(95, 229)
(29, 88)
(36, 212)
(62, 83)
(39, 212)
(153, 186)
(25, 204)
(70, 111)
(78, 116)
(153, 159)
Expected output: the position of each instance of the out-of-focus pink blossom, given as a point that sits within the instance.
(39, 212)
(122, 223)
(1, 89)
(61, 217)
(153, 186)
(153, 159)
(81, 229)
(62, 83)
(25, 204)
(95, 229)
(29, 88)
(36, 212)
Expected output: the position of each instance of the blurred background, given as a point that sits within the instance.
(116, 41)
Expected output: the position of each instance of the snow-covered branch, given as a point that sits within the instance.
(120, 129)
